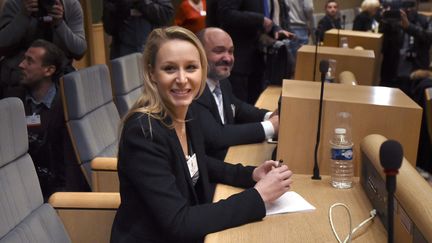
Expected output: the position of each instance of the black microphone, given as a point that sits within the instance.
(324, 66)
(317, 40)
(343, 21)
(391, 155)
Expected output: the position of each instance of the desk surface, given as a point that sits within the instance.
(297, 227)
(311, 226)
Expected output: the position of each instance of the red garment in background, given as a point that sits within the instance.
(189, 18)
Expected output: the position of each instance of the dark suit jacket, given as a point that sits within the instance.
(327, 23)
(243, 20)
(158, 200)
(242, 123)
(363, 22)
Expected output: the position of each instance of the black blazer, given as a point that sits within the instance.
(363, 22)
(243, 121)
(158, 200)
(243, 20)
(327, 23)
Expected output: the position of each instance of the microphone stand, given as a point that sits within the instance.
(324, 65)
(391, 188)
(391, 156)
(317, 36)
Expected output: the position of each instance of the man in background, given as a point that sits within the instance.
(300, 16)
(49, 144)
(250, 25)
(129, 22)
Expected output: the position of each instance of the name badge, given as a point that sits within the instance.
(233, 108)
(33, 120)
(203, 13)
(192, 165)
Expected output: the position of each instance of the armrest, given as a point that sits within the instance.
(80, 212)
(104, 174)
(85, 200)
(104, 163)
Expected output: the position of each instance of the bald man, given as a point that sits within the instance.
(225, 119)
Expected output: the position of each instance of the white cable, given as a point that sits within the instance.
(352, 231)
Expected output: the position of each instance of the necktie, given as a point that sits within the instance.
(218, 94)
(266, 8)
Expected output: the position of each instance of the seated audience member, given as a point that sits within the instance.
(24, 21)
(163, 170)
(44, 113)
(331, 20)
(225, 119)
(365, 21)
(191, 14)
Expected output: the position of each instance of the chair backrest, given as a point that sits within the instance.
(23, 215)
(428, 110)
(91, 116)
(127, 80)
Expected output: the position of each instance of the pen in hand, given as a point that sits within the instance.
(280, 163)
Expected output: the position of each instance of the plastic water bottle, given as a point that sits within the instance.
(331, 72)
(329, 78)
(342, 168)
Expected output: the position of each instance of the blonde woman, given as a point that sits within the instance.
(365, 21)
(164, 174)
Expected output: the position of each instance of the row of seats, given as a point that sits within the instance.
(23, 215)
(93, 113)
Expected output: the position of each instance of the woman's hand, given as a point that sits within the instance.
(262, 170)
(274, 184)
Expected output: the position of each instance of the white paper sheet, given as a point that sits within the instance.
(289, 202)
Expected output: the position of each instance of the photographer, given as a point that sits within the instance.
(23, 21)
(406, 42)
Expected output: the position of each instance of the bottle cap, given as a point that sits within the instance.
(340, 130)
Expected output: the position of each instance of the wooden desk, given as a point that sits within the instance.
(367, 40)
(387, 111)
(311, 226)
(269, 98)
(297, 227)
(360, 62)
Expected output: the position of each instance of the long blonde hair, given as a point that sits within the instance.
(150, 102)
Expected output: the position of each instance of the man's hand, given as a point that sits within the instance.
(283, 34)
(274, 113)
(274, 119)
(420, 74)
(267, 24)
(56, 12)
(30, 7)
(404, 19)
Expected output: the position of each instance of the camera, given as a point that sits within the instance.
(393, 8)
(44, 7)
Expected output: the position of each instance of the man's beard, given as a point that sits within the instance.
(214, 75)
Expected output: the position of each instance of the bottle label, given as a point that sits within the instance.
(341, 154)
